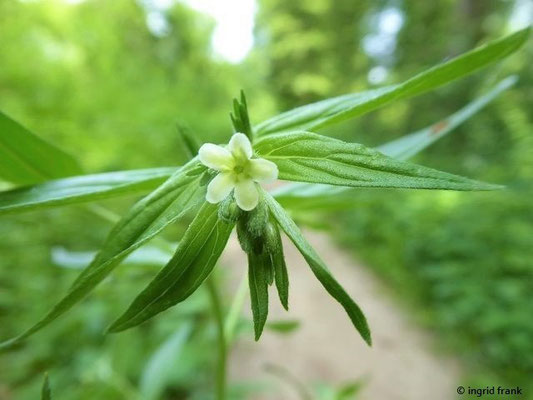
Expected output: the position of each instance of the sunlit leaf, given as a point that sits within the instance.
(319, 268)
(195, 258)
(144, 220)
(83, 188)
(308, 157)
(328, 112)
(26, 158)
(314, 196)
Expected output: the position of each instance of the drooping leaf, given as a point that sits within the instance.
(328, 112)
(195, 258)
(144, 220)
(46, 392)
(308, 157)
(319, 268)
(26, 158)
(83, 188)
(156, 373)
(281, 275)
(322, 196)
(259, 266)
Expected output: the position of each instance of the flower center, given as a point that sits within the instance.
(238, 169)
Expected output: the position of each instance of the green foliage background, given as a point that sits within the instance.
(94, 80)
(463, 261)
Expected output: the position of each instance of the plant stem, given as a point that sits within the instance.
(216, 305)
(234, 312)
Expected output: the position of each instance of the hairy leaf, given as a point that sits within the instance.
(195, 258)
(319, 268)
(309, 195)
(144, 220)
(328, 112)
(259, 266)
(83, 188)
(308, 157)
(26, 158)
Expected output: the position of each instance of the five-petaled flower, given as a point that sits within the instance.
(238, 171)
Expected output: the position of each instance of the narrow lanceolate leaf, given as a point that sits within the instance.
(309, 195)
(409, 145)
(148, 217)
(328, 112)
(26, 158)
(308, 157)
(259, 266)
(319, 268)
(81, 189)
(281, 275)
(195, 258)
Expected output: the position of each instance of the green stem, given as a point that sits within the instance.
(234, 312)
(216, 305)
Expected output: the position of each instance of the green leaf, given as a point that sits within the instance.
(284, 327)
(83, 188)
(259, 267)
(144, 220)
(319, 268)
(321, 196)
(156, 374)
(409, 145)
(26, 158)
(195, 258)
(240, 117)
(308, 157)
(348, 390)
(328, 112)
(46, 392)
(281, 275)
(146, 255)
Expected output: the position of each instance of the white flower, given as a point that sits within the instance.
(238, 170)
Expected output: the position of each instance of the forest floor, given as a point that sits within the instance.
(401, 364)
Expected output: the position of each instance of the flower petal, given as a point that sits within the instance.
(262, 170)
(240, 146)
(246, 195)
(215, 157)
(220, 187)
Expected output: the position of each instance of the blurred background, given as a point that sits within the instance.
(109, 80)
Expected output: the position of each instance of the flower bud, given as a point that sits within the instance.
(229, 211)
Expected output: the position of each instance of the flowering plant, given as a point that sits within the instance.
(221, 187)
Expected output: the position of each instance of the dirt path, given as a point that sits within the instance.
(400, 365)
